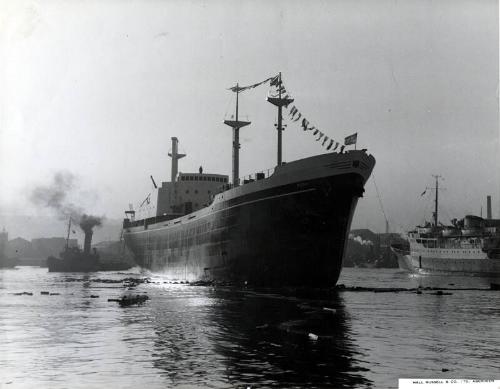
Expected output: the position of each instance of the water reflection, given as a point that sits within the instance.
(243, 337)
(205, 337)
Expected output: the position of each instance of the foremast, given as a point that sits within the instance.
(280, 102)
(67, 236)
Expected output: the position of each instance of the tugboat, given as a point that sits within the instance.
(73, 259)
(284, 227)
(470, 246)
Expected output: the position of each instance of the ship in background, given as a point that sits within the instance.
(288, 227)
(73, 259)
(104, 256)
(470, 246)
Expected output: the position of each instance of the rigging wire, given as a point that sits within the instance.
(379, 198)
(229, 100)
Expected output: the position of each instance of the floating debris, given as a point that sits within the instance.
(126, 301)
(313, 336)
(131, 300)
(201, 283)
(128, 280)
(23, 294)
(441, 293)
(55, 294)
(44, 293)
(94, 296)
(343, 288)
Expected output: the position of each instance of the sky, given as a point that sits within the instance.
(98, 88)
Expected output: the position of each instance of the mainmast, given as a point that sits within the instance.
(436, 201)
(236, 125)
(280, 103)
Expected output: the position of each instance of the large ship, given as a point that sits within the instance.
(469, 246)
(286, 227)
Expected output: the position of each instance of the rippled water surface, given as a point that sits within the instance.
(201, 336)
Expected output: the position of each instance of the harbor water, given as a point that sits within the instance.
(205, 336)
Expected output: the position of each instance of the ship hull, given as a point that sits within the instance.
(403, 256)
(74, 263)
(403, 263)
(464, 266)
(457, 255)
(284, 234)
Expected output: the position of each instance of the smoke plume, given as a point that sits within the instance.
(361, 241)
(55, 197)
(88, 222)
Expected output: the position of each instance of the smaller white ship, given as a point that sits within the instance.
(469, 246)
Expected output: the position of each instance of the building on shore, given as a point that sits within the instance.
(36, 251)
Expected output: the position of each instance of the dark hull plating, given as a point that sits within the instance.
(73, 261)
(293, 234)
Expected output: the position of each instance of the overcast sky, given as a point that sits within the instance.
(98, 88)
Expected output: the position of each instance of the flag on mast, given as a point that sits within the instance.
(351, 139)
